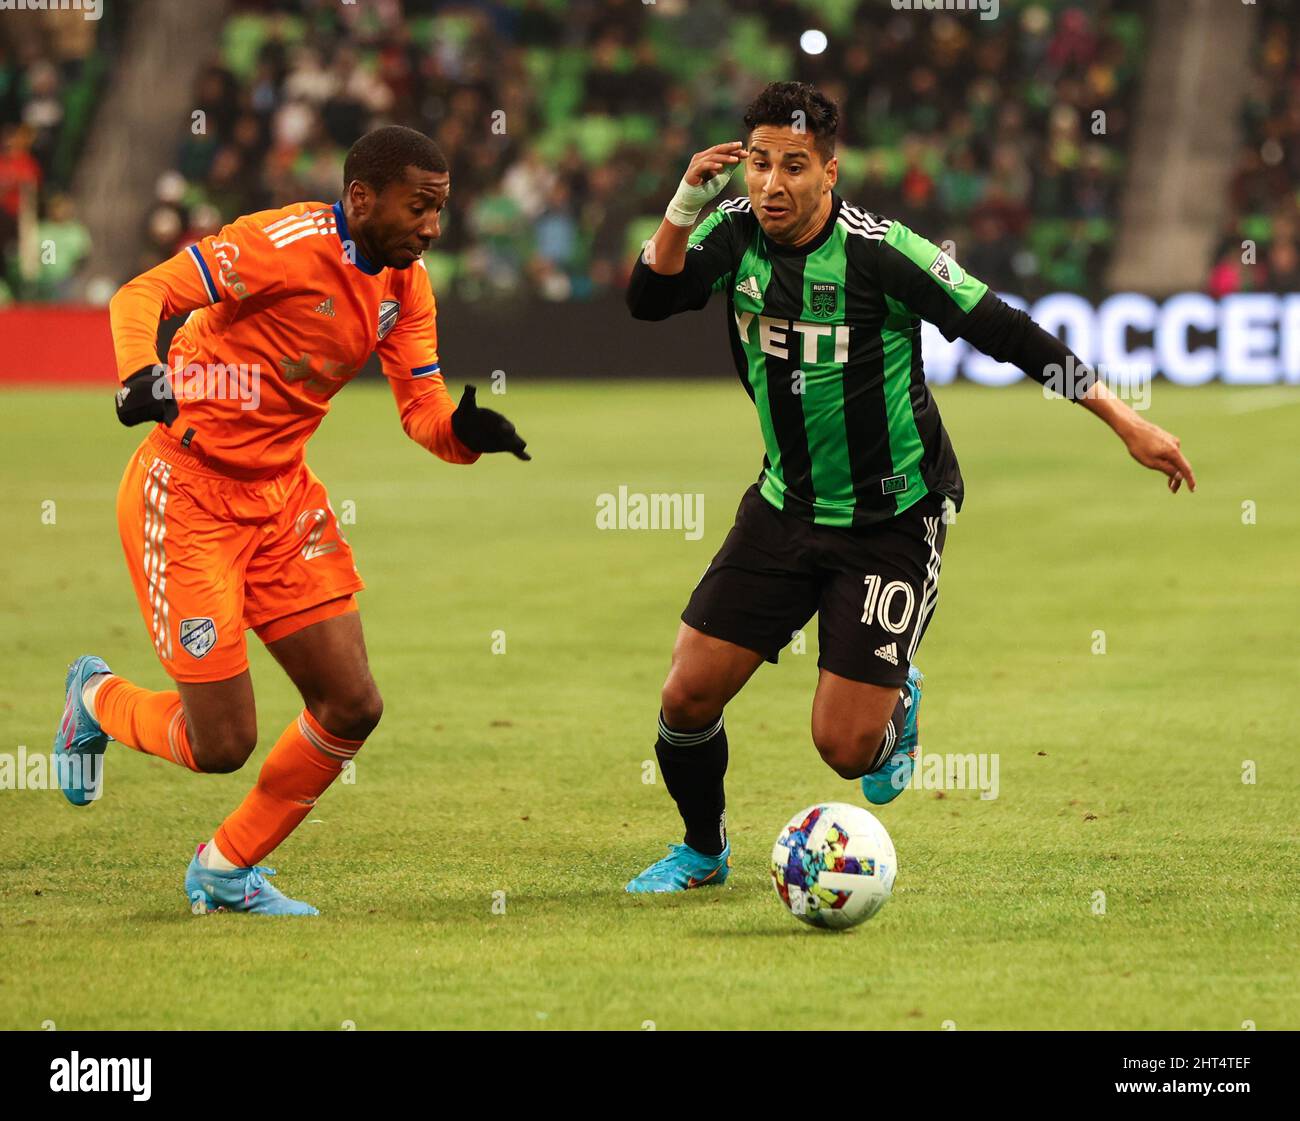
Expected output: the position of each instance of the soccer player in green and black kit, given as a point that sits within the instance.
(846, 519)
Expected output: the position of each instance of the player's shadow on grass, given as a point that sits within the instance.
(780, 931)
(441, 901)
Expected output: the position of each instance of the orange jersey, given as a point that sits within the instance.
(284, 311)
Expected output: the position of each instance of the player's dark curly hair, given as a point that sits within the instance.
(382, 156)
(797, 105)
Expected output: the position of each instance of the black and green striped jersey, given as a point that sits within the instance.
(826, 338)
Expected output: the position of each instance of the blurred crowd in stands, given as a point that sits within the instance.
(568, 124)
(51, 67)
(1260, 246)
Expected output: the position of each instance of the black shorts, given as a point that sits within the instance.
(873, 588)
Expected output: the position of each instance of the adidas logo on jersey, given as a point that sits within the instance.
(325, 307)
(889, 652)
(749, 287)
(294, 227)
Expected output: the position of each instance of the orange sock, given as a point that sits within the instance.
(150, 722)
(300, 767)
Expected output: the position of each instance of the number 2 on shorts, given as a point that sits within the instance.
(314, 520)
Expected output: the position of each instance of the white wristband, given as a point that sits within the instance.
(689, 201)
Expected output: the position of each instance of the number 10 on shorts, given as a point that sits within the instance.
(882, 604)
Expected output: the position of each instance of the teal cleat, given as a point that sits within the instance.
(79, 742)
(244, 889)
(890, 779)
(682, 869)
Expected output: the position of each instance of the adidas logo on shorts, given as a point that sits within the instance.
(889, 652)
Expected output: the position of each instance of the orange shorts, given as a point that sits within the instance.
(211, 555)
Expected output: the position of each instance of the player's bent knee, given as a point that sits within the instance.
(354, 717)
(844, 763)
(368, 712)
(849, 754)
(685, 706)
(221, 753)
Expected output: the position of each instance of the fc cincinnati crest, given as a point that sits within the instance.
(947, 270)
(198, 636)
(823, 299)
(388, 310)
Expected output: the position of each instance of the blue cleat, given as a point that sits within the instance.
(890, 779)
(244, 889)
(682, 869)
(79, 742)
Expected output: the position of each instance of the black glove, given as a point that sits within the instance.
(482, 430)
(146, 395)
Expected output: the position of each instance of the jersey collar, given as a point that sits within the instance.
(823, 235)
(355, 256)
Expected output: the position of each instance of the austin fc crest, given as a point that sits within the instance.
(388, 310)
(823, 300)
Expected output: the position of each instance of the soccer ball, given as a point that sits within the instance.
(833, 865)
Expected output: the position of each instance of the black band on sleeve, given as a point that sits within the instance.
(1008, 334)
(651, 295)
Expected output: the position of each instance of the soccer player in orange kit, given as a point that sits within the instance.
(224, 525)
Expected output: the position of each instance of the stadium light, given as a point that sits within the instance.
(813, 41)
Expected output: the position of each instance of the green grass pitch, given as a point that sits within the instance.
(521, 772)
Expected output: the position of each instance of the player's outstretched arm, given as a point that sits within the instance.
(457, 434)
(1010, 335)
(1148, 443)
(409, 357)
(664, 281)
(934, 286)
(483, 430)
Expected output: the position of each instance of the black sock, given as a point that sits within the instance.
(693, 764)
(893, 731)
